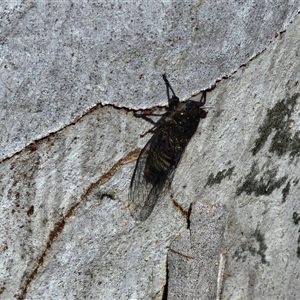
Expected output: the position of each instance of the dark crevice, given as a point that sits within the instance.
(184, 212)
(165, 292)
(188, 217)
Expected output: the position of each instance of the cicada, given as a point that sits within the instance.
(158, 160)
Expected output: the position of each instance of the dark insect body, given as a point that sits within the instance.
(158, 160)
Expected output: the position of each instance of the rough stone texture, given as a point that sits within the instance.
(247, 158)
(66, 232)
(194, 257)
(60, 58)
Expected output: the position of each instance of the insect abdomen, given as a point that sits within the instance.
(160, 160)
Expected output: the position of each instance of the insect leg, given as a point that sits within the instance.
(174, 99)
(145, 117)
(148, 131)
(203, 98)
(168, 86)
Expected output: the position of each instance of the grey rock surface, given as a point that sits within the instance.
(71, 74)
(60, 58)
(194, 256)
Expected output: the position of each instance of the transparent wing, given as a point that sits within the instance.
(156, 164)
(146, 190)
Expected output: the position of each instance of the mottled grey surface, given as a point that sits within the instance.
(66, 231)
(59, 58)
(194, 257)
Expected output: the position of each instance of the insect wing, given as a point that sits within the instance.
(156, 164)
(145, 188)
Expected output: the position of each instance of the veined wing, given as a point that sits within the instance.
(153, 174)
